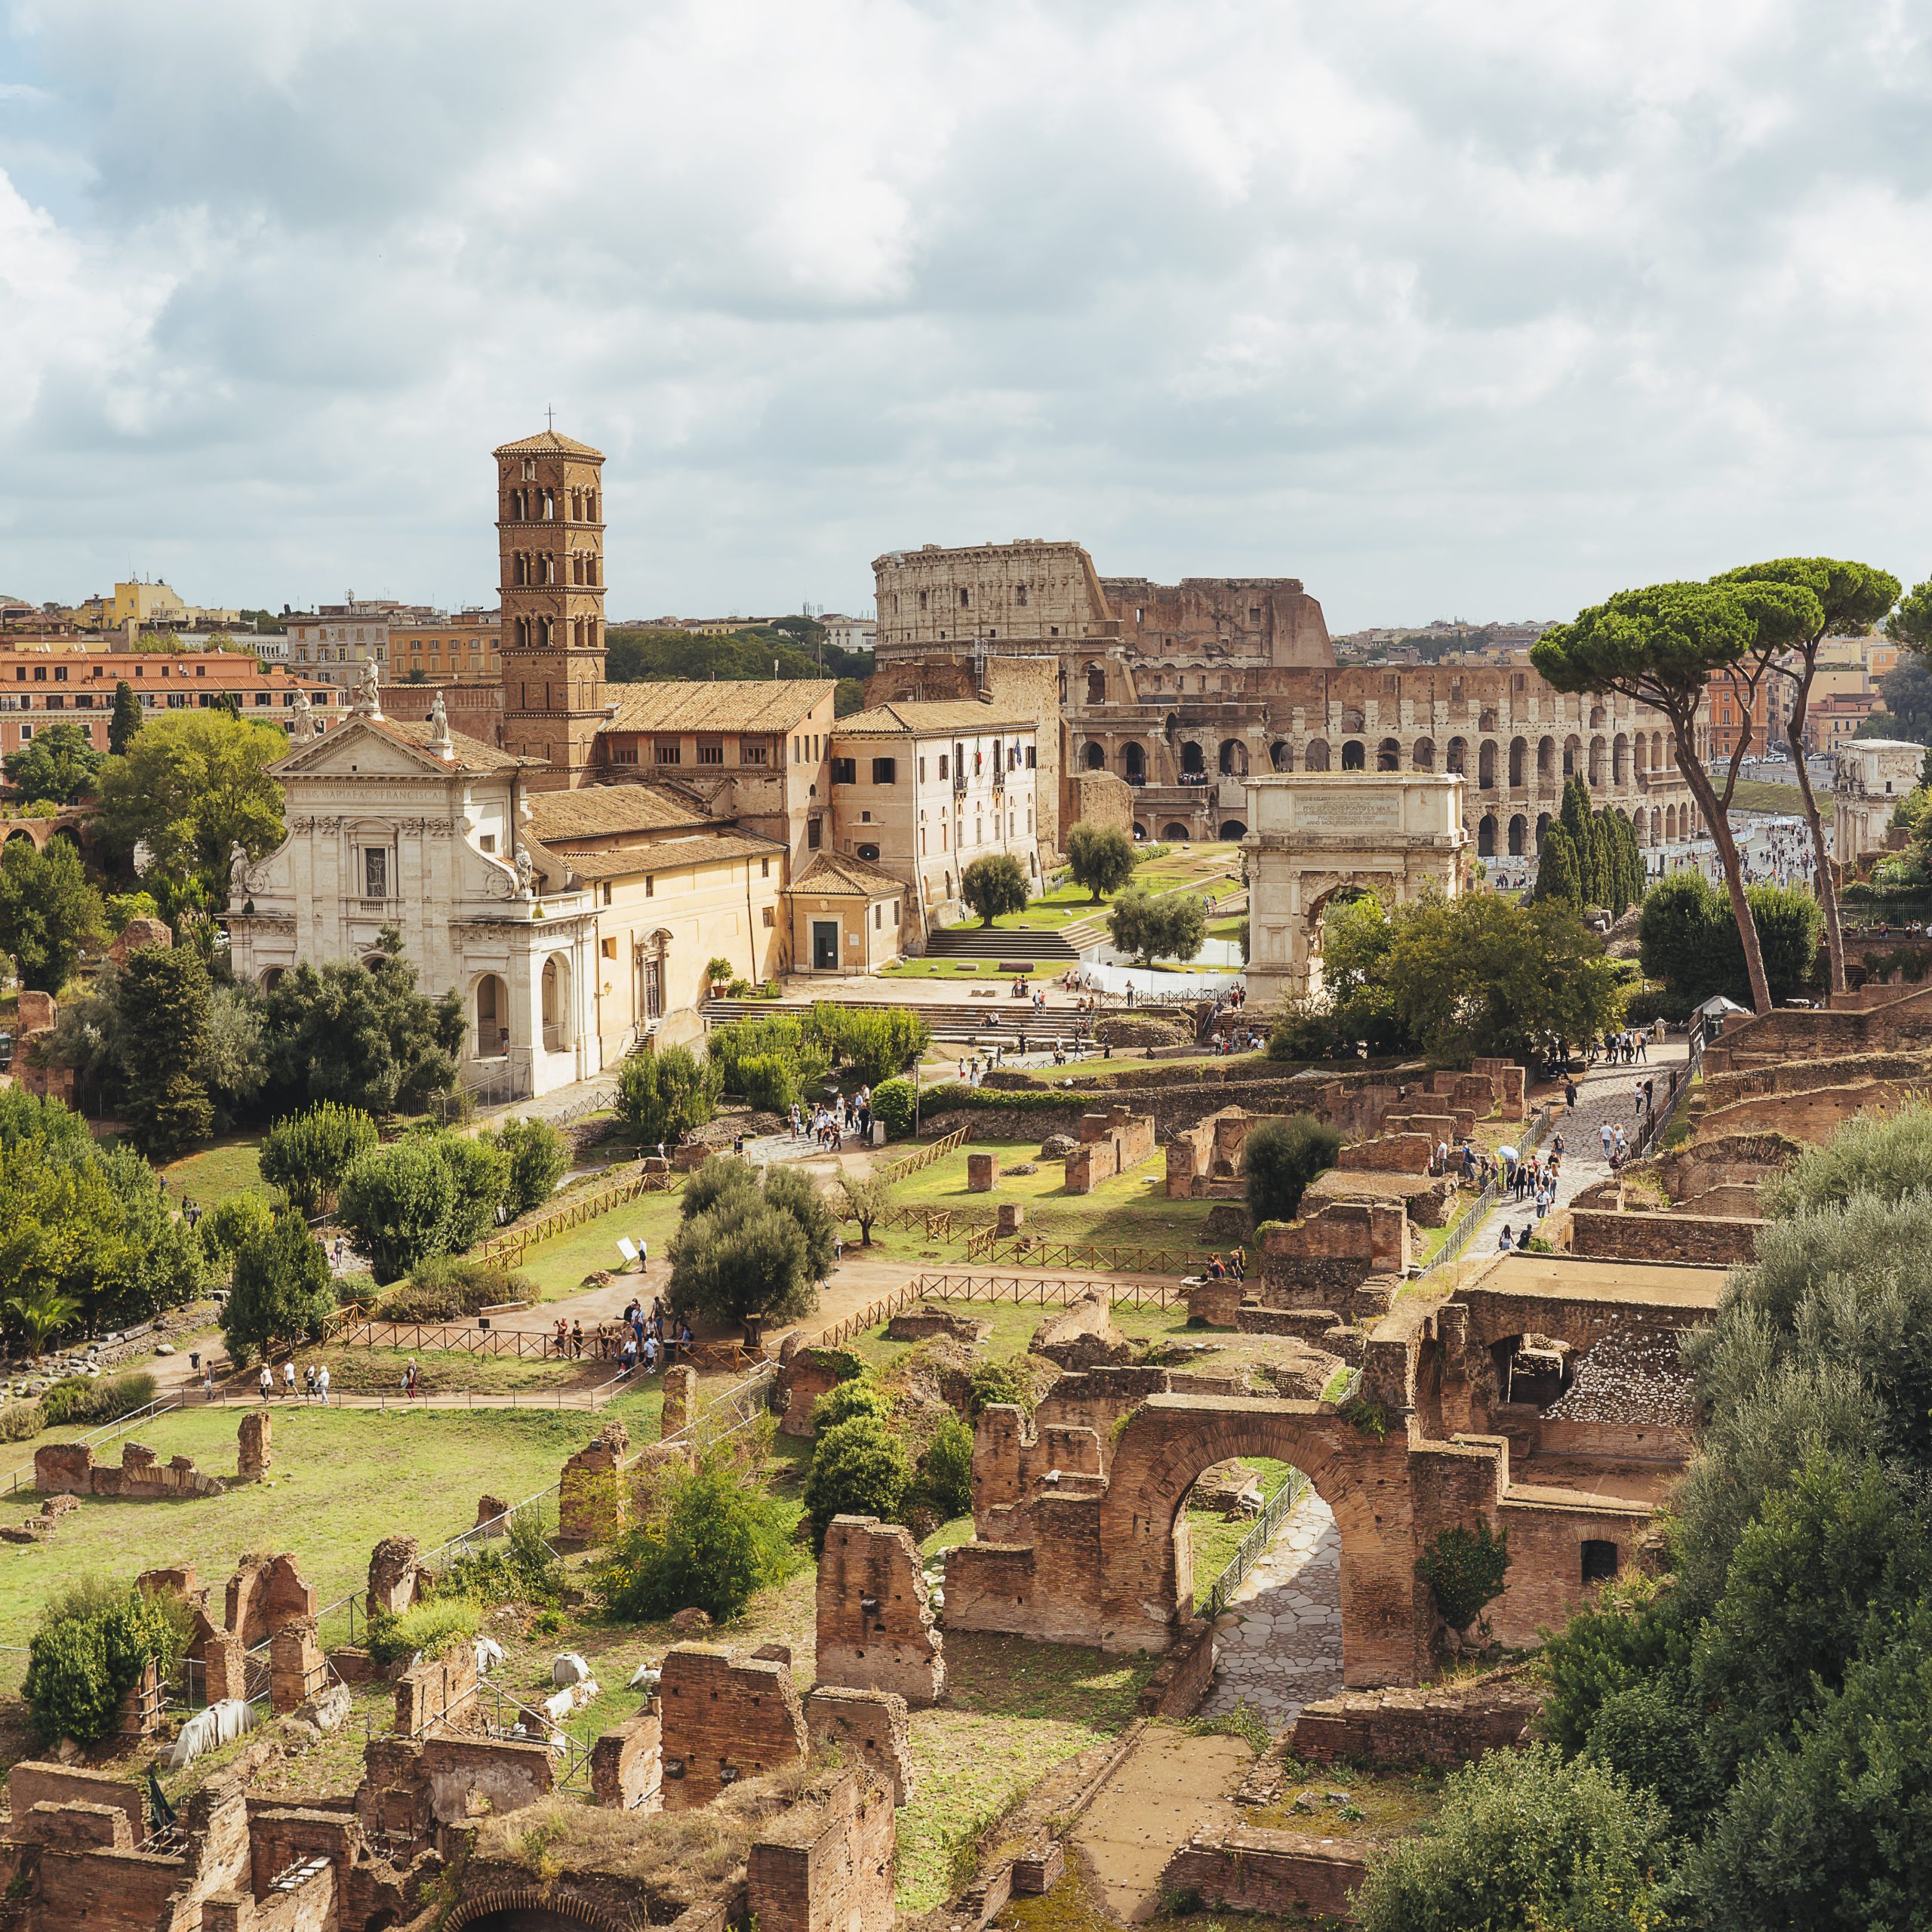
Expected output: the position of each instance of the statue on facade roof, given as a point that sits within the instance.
(440, 740)
(526, 873)
(368, 691)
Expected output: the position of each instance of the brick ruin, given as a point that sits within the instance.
(68, 1468)
(726, 1716)
(875, 1617)
(1203, 1161)
(593, 1501)
(1080, 1536)
(1111, 1143)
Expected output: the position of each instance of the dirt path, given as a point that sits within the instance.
(1172, 1784)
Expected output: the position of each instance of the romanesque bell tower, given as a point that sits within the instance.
(550, 537)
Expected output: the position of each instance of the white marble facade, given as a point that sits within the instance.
(412, 826)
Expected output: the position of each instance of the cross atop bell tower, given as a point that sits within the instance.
(550, 539)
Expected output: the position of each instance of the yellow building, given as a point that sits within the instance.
(146, 604)
(847, 916)
(673, 889)
(457, 649)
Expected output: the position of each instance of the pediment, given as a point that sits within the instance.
(356, 749)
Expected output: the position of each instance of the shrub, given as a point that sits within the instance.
(20, 1420)
(767, 1081)
(875, 1045)
(89, 1398)
(308, 1154)
(997, 1382)
(227, 1224)
(1524, 1840)
(1464, 1570)
(451, 1286)
(781, 1038)
(427, 1194)
(536, 1158)
(892, 1106)
(858, 1469)
(94, 1642)
(1281, 1157)
(946, 1470)
(431, 1628)
(716, 1540)
(663, 1095)
(857, 1396)
(281, 1292)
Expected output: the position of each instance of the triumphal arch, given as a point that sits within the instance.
(1312, 836)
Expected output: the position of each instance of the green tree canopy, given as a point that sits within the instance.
(665, 1092)
(858, 1469)
(1280, 1157)
(59, 763)
(48, 906)
(192, 786)
(1100, 857)
(1659, 645)
(126, 719)
(163, 1004)
(994, 884)
(741, 1250)
(428, 1194)
(1172, 926)
(361, 1035)
(1687, 939)
(280, 1291)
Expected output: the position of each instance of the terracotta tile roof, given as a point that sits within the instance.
(835, 875)
(546, 442)
(745, 704)
(472, 754)
(665, 855)
(893, 720)
(601, 811)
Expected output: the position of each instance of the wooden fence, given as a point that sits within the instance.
(461, 1337)
(1060, 1289)
(511, 1245)
(926, 1156)
(1024, 1251)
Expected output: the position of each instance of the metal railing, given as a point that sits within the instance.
(162, 1405)
(1248, 1551)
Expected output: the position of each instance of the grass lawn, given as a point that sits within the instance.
(217, 1173)
(379, 1371)
(1756, 794)
(558, 1266)
(1216, 1538)
(341, 1481)
(1389, 1804)
(1133, 1207)
(1014, 1710)
(1012, 1326)
(968, 969)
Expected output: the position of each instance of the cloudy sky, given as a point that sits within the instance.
(1482, 308)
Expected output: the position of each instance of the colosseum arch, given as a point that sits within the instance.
(1486, 766)
(1423, 759)
(1281, 755)
(1193, 763)
(1458, 759)
(1094, 757)
(1233, 759)
(1388, 756)
(1355, 755)
(1353, 720)
(1543, 827)
(1595, 773)
(1573, 753)
(1519, 833)
(1519, 759)
(1174, 830)
(1143, 1537)
(1619, 759)
(1545, 761)
(1318, 756)
(1133, 762)
(1486, 836)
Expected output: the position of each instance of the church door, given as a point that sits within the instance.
(825, 946)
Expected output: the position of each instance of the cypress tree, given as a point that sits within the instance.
(164, 1001)
(126, 719)
(1556, 867)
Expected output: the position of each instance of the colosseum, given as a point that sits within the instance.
(1182, 690)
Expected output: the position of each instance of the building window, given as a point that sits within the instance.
(710, 751)
(609, 946)
(965, 598)
(376, 872)
(868, 853)
(488, 842)
(765, 872)
(1032, 757)
(650, 886)
(668, 751)
(844, 771)
(878, 918)
(885, 771)
(942, 765)
(751, 754)
(814, 833)
(922, 771)
(769, 921)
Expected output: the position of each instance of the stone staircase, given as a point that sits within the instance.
(1015, 943)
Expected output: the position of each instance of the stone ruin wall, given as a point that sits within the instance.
(726, 1717)
(874, 1619)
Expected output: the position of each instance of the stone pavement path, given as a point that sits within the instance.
(1281, 1637)
(1605, 1095)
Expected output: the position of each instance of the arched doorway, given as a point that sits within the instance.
(1388, 756)
(1572, 752)
(1519, 833)
(492, 1009)
(1545, 761)
(1619, 759)
(1486, 766)
(1139, 830)
(1146, 1551)
(1423, 759)
(1096, 684)
(1318, 755)
(1193, 764)
(1173, 829)
(1543, 827)
(1519, 759)
(1355, 755)
(1458, 760)
(1094, 757)
(1233, 828)
(529, 1909)
(1486, 836)
(1133, 763)
(1233, 760)
(556, 1003)
(1281, 755)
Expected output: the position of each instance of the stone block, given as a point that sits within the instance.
(982, 1173)
(392, 1576)
(922, 1324)
(490, 1513)
(680, 1400)
(1083, 1334)
(1011, 1217)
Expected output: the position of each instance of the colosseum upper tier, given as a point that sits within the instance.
(1183, 689)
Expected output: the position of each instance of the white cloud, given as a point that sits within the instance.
(1441, 308)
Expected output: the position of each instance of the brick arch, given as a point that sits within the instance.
(529, 1908)
(1386, 1628)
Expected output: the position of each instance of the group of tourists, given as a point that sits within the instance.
(829, 1122)
(313, 1385)
(1234, 1269)
(651, 1338)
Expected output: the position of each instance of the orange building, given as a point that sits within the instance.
(58, 683)
(457, 649)
(1731, 702)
